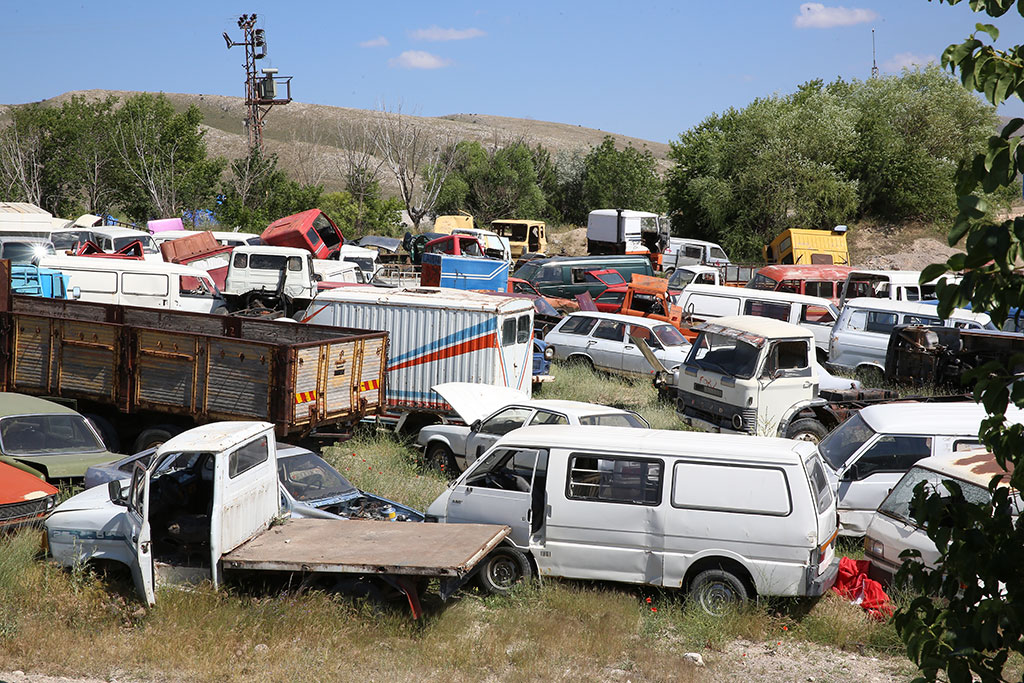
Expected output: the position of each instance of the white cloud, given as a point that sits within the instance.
(904, 60)
(417, 59)
(438, 34)
(379, 41)
(816, 15)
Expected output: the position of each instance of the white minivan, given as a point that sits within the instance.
(723, 517)
(813, 313)
(129, 282)
(866, 455)
(860, 338)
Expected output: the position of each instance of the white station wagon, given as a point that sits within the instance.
(491, 412)
(605, 341)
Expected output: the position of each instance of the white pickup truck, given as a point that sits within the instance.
(207, 506)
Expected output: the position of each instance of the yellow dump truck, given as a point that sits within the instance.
(819, 247)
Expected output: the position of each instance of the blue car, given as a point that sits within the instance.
(542, 355)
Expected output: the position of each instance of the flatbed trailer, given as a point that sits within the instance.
(400, 552)
(145, 374)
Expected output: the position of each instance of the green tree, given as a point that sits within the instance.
(971, 615)
(375, 215)
(162, 159)
(502, 183)
(257, 193)
(621, 178)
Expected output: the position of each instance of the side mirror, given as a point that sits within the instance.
(116, 494)
(317, 277)
(475, 427)
(851, 473)
(76, 292)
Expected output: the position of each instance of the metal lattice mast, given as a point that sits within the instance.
(874, 64)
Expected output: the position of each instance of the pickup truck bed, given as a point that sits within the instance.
(368, 547)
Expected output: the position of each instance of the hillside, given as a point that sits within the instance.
(308, 137)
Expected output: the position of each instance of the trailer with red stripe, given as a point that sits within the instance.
(435, 336)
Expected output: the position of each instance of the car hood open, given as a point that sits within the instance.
(476, 401)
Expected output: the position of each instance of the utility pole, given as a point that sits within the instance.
(260, 91)
(874, 64)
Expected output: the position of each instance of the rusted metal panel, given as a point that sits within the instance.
(368, 547)
(166, 367)
(31, 353)
(307, 370)
(87, 359)
(239, 378)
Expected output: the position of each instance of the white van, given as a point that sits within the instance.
(894, 529)
(860, 338)
(682, 251)
(866, 455)
(724, 517)
(111, 239)
(129, 282)
(813, 313)
(896, 285)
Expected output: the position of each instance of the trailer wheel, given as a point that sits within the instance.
(717, 591)
(502, 569)
(154, 436)
(807, 429)
(440, 458)
(106, 431)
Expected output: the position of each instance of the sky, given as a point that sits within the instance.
(648, 69)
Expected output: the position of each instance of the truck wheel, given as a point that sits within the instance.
(154, 436)
(717, 591)
(502, 569)
(106, 431)
(439, 458)
(807, 429)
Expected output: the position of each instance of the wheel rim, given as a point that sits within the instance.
(717, 597)
(503, 572)
(807, 436)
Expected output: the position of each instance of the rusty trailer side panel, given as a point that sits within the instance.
(367, 547)
(207, 367)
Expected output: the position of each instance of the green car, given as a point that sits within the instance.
(49, 438)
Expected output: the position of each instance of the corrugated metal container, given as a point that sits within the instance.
(436, 336)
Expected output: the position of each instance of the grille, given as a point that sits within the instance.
(15, 512)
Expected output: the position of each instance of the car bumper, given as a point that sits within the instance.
(818, 585)
(543, 379)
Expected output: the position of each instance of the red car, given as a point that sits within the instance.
(610, 299)
(25, 499)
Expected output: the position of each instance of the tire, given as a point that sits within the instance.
(807, 429)
(106, 431)
(154, 436)
(502, 569)
(717, 591)
(439, 458)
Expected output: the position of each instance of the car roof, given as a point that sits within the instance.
(761, 294)
(805, 271)
(627, 213)
(214, 436)
(22, 404)
(576, 407)
(734, 447)
(117, 231)
(977, 467)
(631, 319)
(928, 309)
(770, 328)
(963, 417)
(901, 277)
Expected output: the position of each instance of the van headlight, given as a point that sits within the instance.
(549, 352)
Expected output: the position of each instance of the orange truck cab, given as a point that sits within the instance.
(648, 297)
(311, 230)
(825, 281)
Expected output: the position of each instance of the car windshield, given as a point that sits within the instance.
(680, 278)
(148, 245)
(48, 434)
(764, 282)
(841, 444)
(897, 503)
(63, 241)
(541, 305)
(26, 252)
(527, 271)
(723, 354)
(669, 336)
(614, 420)
(308, 477)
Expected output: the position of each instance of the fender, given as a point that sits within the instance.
(719, 552)
(797, 408)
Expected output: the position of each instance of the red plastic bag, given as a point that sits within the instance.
(854, 585)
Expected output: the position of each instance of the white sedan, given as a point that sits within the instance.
(606, 341)
(491, 412)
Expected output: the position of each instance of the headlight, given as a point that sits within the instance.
(549, 353)
(873, 547)
(737, 422)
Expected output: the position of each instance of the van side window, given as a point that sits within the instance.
(823, 289)
(579, 275)
(892, 454)
(713, 306)
(241, 261)
(525, 329)
(817, 315)
(294, 264)
(549, 274)
(508, 332)
(961, 445)
(880, 322)
(580, 324)
(100, 282)
(750, 490)
(614, 480)
(767, 309)
(610, 329)
(511, 469)
(693, 252)
(791, 286)
(920, 320)
(247, 457)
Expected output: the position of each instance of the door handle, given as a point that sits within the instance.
(807, 385)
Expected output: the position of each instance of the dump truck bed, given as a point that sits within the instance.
(367, 547)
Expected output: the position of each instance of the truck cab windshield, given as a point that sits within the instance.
(725, 355)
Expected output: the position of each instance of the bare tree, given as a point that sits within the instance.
(152, 170)
(21, 162)
(419, 160)
(358, 164)
(309, 154)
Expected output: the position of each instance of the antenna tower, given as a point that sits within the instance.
(261, 91)
(874, 64)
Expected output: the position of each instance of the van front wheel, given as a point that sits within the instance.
(502, 569)
(717, 591)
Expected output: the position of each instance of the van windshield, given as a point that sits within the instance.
(897, 503)
(839, 446)
(680, 278)
(727, 355)
(763, 282)
(148, 245)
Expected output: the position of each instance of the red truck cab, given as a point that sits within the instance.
(455, 245)
(311, 230)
